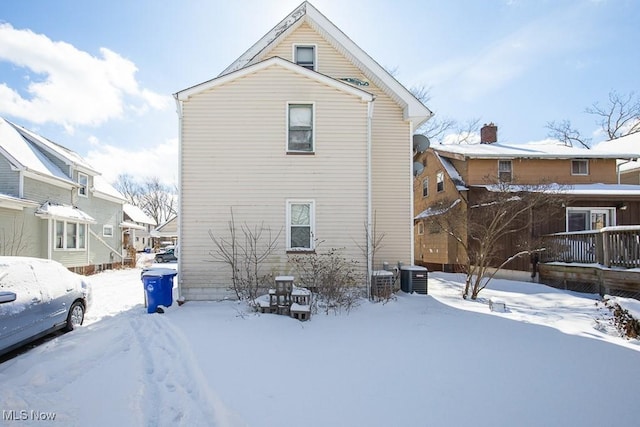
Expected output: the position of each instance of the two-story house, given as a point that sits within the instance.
(304, 134)
(586, 180)
(54, 205)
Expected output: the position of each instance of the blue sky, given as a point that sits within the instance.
(98, 76)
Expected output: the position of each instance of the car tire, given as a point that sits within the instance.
(75, 316)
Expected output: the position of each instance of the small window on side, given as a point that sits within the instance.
(305, 56)
(579, 167)
(504, 170)
(440, 181)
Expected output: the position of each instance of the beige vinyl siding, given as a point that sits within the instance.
(391, 143)
(234, 155)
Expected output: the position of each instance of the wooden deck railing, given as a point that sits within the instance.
(609, 246)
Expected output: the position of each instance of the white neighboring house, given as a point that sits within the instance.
(305, 134)
(54, 205)
(166, 233)
(136, 228)
(628, 170)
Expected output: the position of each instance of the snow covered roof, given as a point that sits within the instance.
(10, 202)
(69, 157)
(101, 187)
(542, 150)
(452, 172)
(629, 143)
(136, 214)
(413, 109)
(24, 155)
(627, 190)
(63, 212)
(431, 211)
(127, 224)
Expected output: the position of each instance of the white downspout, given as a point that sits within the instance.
(412, 253)
(49, 238)
(180, 198)
(369, 195)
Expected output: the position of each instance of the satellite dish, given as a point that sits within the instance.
(420, 143)
(418, 167)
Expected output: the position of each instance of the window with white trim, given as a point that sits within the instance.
(425, 187)
(440, 181)
(107, 230)
(583, 219)
(504, 170)
(83, 180)
(70, 235)
(300, 225)
(300, 128)
(305, 56)
(579, 167)
(420, 228)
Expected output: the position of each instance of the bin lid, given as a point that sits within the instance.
(160, 272)
(413, 268)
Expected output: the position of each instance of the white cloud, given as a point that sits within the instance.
(160, 161)
(69, 86)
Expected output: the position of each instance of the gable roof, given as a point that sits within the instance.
(274, 61)
(24, 156)
(413, 109)
(525, 151)
(137, 215)
(629, 143)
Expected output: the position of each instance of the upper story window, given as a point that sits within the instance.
(440, 181)
(420, 228)
(300, 225)
(83, 180)
(425, 187)
(305, 56)
(300, 128)
(579, 167)
(504, 170)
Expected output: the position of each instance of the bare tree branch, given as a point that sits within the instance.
(620, 117)
(567, 134)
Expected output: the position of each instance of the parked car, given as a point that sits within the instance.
(38, 297)
(166, 255)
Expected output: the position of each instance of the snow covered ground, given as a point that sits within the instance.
(551, 359)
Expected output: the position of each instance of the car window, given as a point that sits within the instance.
(51, 279)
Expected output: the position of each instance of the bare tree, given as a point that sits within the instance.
(13, 241)
(481, 227)
(245, 251)
(370, 249)
(620, 117)
(129, 188)
(157, 200)
(567, 134)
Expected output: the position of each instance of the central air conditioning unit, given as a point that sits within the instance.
(413, 278)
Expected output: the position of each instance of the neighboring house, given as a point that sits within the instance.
(165, 233)
(628, 170)
(304, 134)
(136, 228)
(587, 180)
(54, 205)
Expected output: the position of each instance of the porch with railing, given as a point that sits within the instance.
(606, 261)
(609, 246)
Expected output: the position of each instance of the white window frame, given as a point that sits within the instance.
(590, 211)
(313, 127)
(420, 226)
(83, 189)
(503, 171)
(439, 181)
(61, 239)
(312, 215)
(294, 55)
(580, 161)
(425, 187)
(107, 230)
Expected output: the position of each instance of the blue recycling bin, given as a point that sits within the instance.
(158, 287)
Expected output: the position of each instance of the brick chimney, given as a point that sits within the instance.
(489, 133)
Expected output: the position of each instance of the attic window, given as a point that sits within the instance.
(305, 56)
(440, 181)
(83, 180)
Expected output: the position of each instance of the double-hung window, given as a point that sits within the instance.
(440, 181)
(305, 56)
(70, 235)
(504, 170)
(83, 181)
(425, 187)
(579, 167)
(300, 128)
(300, 225)
(107, 230)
